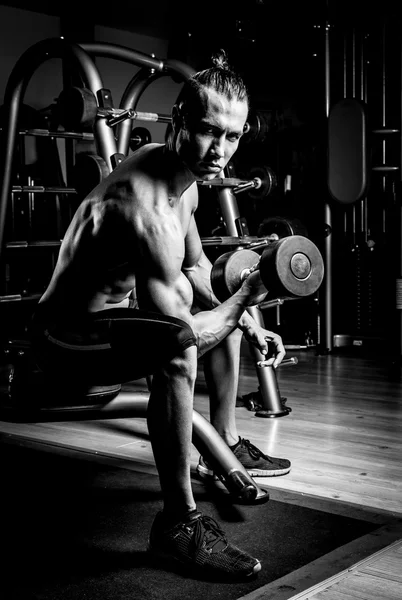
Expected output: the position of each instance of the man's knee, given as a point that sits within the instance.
(185, 336)
(232, 342)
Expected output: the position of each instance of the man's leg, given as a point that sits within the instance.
(180, 532)
(170, 414)
(124, 344)
(222, 369)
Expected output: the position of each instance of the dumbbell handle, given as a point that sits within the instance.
(287, 362)
(246, 272)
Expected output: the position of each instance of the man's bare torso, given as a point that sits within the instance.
(109, 248)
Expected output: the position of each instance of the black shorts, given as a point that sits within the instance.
(112, 346)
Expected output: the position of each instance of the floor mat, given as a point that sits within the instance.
(75, 529)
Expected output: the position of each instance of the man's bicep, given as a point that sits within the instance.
(171, 296)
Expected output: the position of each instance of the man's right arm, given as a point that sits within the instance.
(166, 289)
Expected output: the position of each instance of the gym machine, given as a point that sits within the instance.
(363, 209)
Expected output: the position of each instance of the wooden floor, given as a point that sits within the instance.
(343, 437)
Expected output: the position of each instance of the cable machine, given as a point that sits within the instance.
(362, 252)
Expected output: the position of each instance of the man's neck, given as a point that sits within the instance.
(179, 177)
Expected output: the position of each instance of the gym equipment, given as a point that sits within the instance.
(260, 186)
(291, 267)
(89, 170)
(277, 406)
(348, 173)
(76, 108)
(248, 241)
(258, 127)
(272, 405)
(280, 227)
(230, 269)
(139, 137)
(33, 398)
(268, 180)
(79, 108)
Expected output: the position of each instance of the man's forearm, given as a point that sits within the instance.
(213, 326)
(200, 279)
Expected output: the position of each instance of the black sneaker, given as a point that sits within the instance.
(199, 542)
(253, 460)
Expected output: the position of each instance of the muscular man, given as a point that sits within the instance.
(136, 230)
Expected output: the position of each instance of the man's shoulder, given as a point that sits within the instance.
(191, 196)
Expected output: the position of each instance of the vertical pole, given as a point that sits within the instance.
(327, 339)
(398, 285)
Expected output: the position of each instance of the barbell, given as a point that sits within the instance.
(78, 108)
(261, 183)
(291, 267)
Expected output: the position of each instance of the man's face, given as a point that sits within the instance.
(209, 136)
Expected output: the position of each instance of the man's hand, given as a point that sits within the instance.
(258, 290)
(260, 337)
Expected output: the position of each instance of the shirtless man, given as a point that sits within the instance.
(136, 230)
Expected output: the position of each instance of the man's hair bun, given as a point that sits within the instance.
(220, 60)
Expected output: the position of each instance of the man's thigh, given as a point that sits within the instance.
(111, 346)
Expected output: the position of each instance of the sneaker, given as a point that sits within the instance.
(198, 541)
(253, 460)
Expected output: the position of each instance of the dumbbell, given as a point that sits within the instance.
(291, 267)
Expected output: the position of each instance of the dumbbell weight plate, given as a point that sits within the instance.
(227, 270)
(291, 267)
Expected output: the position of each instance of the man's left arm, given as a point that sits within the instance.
(197, 268)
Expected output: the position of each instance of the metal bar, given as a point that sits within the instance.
(229, 240)
(385, 131)
(327, 251)
(87, 136)
(40, 189)
(287, 362)
(129, 100)
(386, 168)
(19, 298)
(35, 244)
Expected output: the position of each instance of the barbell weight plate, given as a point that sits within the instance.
(268, 181)
(281, 227)
(259, 126)
(77, 108)
(227, 270)
(139, 137)
(291, 267)
(89, 170)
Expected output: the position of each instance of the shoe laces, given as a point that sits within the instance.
(207, 532)
(253, 450)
